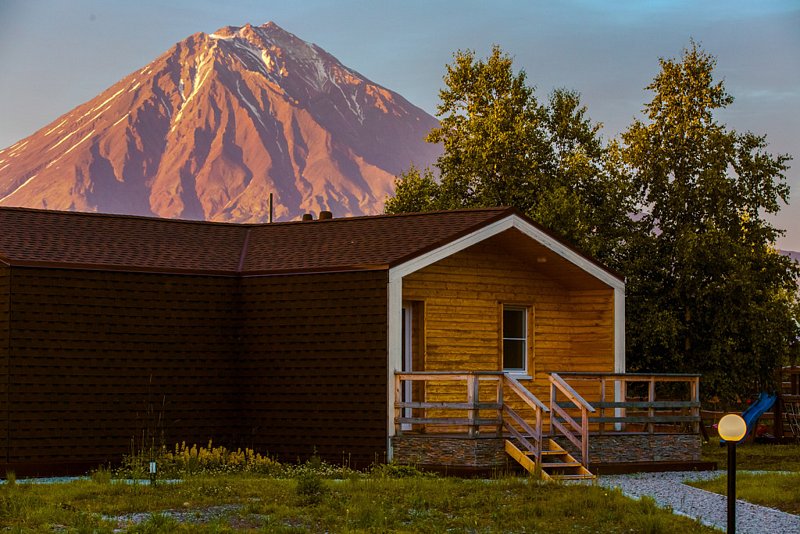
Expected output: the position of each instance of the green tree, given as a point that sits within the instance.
(503, 148)
(707, 291)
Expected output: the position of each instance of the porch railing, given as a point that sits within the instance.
(639, 402)
(577, 433)
(448, 415)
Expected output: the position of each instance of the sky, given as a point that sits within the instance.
(57, 54)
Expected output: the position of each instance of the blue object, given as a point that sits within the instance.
(754, 412)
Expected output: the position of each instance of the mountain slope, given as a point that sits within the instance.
(210, 128)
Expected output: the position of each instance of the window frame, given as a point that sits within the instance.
(527, 370)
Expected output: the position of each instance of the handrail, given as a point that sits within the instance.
(539, 408)
(571, 394)
(617, 410)
(471, 403)
(558, 384)
(528, 432)
(524, 394)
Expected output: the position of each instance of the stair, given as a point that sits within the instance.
(556, 463)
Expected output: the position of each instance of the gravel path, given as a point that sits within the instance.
(709, 508)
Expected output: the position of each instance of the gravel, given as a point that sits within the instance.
(709, 508)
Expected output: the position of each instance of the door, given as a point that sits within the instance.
(408, 358)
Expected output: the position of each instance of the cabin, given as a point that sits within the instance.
(461, 340)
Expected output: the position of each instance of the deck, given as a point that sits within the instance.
(629, 419)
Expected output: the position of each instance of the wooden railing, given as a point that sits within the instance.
(562, 421)
(471, 404)
(450, 414)
(530, 436)
(621, 410)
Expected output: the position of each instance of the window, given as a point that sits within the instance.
(515, 339)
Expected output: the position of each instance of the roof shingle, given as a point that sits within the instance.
(120, 242)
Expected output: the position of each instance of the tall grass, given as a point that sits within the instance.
(359, 504)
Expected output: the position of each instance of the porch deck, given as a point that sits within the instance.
(598, 418)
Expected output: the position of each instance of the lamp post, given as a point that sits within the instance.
(732, 428)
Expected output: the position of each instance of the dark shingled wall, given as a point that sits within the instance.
(314, 365)
(5, 296)
(100, 359)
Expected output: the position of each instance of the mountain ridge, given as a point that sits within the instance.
(212, 126)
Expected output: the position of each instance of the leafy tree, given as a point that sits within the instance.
(503, 148)
(707, 292)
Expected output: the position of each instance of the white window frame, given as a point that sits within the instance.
(525, 311)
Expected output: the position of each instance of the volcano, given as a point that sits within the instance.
(213, 126)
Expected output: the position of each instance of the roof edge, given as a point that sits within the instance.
(511, 212)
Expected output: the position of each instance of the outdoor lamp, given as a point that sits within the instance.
(152, 472)
(732, 428)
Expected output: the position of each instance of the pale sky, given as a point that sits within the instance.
(57, 54)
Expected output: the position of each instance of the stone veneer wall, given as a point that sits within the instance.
(450, 451)
(637, 448)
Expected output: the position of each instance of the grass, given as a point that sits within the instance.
(250, 503)
(755, 456)
(778, 490)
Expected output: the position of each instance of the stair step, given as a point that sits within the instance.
(571, 477)
(560, 464)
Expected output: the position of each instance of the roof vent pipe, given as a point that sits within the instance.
(308, 217)
(325, 215)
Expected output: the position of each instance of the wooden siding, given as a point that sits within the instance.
(315, 365)
(101, 360)
(573, 327)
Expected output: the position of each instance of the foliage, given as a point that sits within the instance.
(311, 488)
(707, 292)
(193, 460)
(503, 148)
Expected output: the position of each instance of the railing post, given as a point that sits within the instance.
(500, 406)
(553, 391)
(695, 385)
(651, 397)
(538, 437)
(602, 426)
(624, 398)
(585, 435)
(472, 399)
(398, 428)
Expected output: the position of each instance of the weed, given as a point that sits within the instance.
(311, 488)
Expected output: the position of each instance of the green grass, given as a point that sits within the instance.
(776, 490)
(359, 504)
(755, 456)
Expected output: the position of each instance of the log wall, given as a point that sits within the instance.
(573, 327)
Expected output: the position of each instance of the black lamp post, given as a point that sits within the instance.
(732, 428)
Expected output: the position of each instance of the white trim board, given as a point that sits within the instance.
(506, 223)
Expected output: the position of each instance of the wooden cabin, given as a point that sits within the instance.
(448, 339)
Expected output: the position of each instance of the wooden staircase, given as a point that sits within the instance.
(556, 463)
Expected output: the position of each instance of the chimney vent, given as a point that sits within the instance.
(308, 217)
(325, 215)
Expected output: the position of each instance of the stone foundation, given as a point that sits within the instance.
(638, 448)
(449, 451)
(488, 452)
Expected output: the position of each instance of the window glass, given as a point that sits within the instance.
(515, 339)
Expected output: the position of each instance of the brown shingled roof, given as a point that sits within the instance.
(120, 242)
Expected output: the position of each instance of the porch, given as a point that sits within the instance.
(482, 419)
